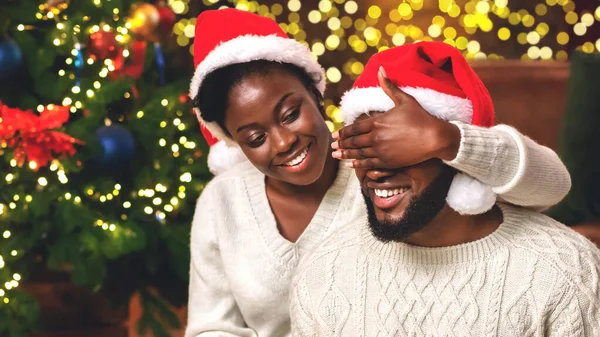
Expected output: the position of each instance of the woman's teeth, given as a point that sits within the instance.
(389, 193)
(298, 159)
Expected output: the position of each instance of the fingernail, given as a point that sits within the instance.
(349, 164)
(336, 154)
(336, 135)
(382, 71)
(335, 145)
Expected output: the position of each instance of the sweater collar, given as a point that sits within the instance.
(399, 252)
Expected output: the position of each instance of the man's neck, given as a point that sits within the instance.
(449, 228)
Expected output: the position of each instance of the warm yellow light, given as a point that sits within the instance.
(374, 12)
(314, 16)
(294, 5)
(461, 43)
(542, 29)
(350, 7)
(404, 9)
(473, 47)
(562, 38)
(438, 20)
(546, 53)
(318, 49)
(334, 23)
(504, 33)
(579, 29)
(332, 42)
(325, 6)
(541, 9)
(528, 20)
(398, 39)
(334, 75)
(483, 7)
(571, 18)
(514, 18)
(450, 33)
(533, 38)
(434, 30)
(587, 19)
(533, 52)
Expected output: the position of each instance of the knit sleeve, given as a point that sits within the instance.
(576, 314)
(300, 309)
(520, 171)
(212, 309)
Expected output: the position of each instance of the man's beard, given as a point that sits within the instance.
(421, 210)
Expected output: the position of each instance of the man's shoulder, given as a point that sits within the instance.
(556, 245)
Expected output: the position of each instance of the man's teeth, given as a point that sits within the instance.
(389, 193)
(298, 159)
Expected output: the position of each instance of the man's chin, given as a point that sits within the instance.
(389, 217)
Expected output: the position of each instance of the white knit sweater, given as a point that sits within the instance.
(531, 277)
(242, 267)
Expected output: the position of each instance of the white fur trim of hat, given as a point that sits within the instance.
(248, 48)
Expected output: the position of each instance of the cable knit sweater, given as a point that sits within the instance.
(531, 277)
(242, 267)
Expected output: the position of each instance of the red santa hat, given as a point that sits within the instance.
(441, 80)
(230, 36)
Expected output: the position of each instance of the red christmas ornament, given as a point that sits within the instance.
(167, 18)
(133, 66)
(103, 45)
(32, 137)
(183, 98)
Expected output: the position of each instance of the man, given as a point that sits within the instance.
(417, 267)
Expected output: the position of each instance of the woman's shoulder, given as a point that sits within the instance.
(225, 187)
(234, 175)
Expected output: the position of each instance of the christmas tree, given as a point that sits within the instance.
(101, 155)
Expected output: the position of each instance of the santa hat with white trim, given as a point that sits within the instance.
(230, 36)
(441, 80)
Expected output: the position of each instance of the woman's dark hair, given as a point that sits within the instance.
(214, 90)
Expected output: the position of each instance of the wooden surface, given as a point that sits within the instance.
(530, 96)
(71, 311)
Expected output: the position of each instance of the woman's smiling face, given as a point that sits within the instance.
(277, 122)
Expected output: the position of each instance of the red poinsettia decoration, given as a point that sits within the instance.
(32, 136)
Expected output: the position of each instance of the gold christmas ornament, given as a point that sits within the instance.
(144, 20)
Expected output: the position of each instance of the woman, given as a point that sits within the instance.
(259, 93)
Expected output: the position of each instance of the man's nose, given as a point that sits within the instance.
(378, 174)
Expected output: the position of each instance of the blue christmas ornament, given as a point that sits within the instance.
(10, 57)
(118, 145)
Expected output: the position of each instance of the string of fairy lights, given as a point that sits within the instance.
(379, 28)
(349, 26)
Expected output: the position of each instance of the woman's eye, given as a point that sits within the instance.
(257, 141)
(292, 116)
